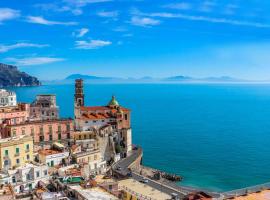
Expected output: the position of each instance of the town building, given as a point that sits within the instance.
(28, 176)
(52, 158)
(14, 114)
(7, 98)
(133, 189)
(92, 160)
(44, 108)
(43, 132)
(88, 118)
(15, 152)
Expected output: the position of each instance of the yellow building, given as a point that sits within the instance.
(134, 190)
(16, 151)
(83, 135)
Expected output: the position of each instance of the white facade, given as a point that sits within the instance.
(88, 124)
(53, 159)
(7, 98)
(26, 178)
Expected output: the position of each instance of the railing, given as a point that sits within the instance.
(247, 190)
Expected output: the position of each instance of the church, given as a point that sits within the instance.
(112, 115)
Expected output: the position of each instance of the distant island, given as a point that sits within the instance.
(146, 79)
(10, 76)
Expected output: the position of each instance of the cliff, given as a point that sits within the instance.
(11, 76)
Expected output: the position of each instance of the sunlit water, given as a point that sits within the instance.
(216, 136)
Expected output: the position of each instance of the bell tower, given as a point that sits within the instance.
(78, 97)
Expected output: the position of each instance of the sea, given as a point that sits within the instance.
(217, 136)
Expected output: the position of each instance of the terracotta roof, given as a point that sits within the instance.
(47, 152)
(101, 108)
(95, 116)
(94, 108)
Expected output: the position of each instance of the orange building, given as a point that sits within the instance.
(43, 132)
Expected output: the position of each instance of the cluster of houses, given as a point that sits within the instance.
(36, 144)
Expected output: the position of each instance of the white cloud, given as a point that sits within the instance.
(41, 20)
(144, 21)
(207, 19)
(33, 61)
(8, 14)
(81, 32)
(207, 6)
(112, 14)
(179, 6)
(75, 6)
(5, 48)
(92, 44)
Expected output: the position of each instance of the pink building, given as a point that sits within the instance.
(43, 132)
(14, 115)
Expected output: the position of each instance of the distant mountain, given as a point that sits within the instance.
(11, 76)
(178, 78)
(86, 77)
(146, 79)
(223, 79)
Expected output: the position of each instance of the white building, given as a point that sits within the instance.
(7, 98)
(26, 178)
(52, 157)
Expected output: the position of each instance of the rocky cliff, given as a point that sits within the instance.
(11, 76)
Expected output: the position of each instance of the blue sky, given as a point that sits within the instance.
(54, 38)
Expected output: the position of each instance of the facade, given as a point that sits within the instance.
(28, 176)
(44, 108)
(7, 98)
(43, 132)
(94, 163)
(15, 152)
(14, 114)
(52, 157)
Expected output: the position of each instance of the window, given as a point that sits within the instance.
(50, 137)
(17, 150)
(6, 163)
(27, 157)
(126, 117)
(37, 174)
(41, 138)
(32, 131)
(14, 133)
(50, 129)
(23, 131)
(45, 172)
(41, 130)
(59, 128)
(27, 147)
(18, 161)
(6, 152)
(68, 127)
(59, 136)
(52, 163)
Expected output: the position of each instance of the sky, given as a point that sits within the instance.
(52, 39)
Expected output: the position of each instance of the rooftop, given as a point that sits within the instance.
(48, 152)
(263, 195)
(93, 193)
(21, 138)
(131, 185)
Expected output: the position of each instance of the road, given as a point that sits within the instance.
(121, 167)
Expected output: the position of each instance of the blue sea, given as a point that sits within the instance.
(216, 136)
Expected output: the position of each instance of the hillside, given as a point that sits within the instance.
(11, 76)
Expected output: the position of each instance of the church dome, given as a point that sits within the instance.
(113, 102)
